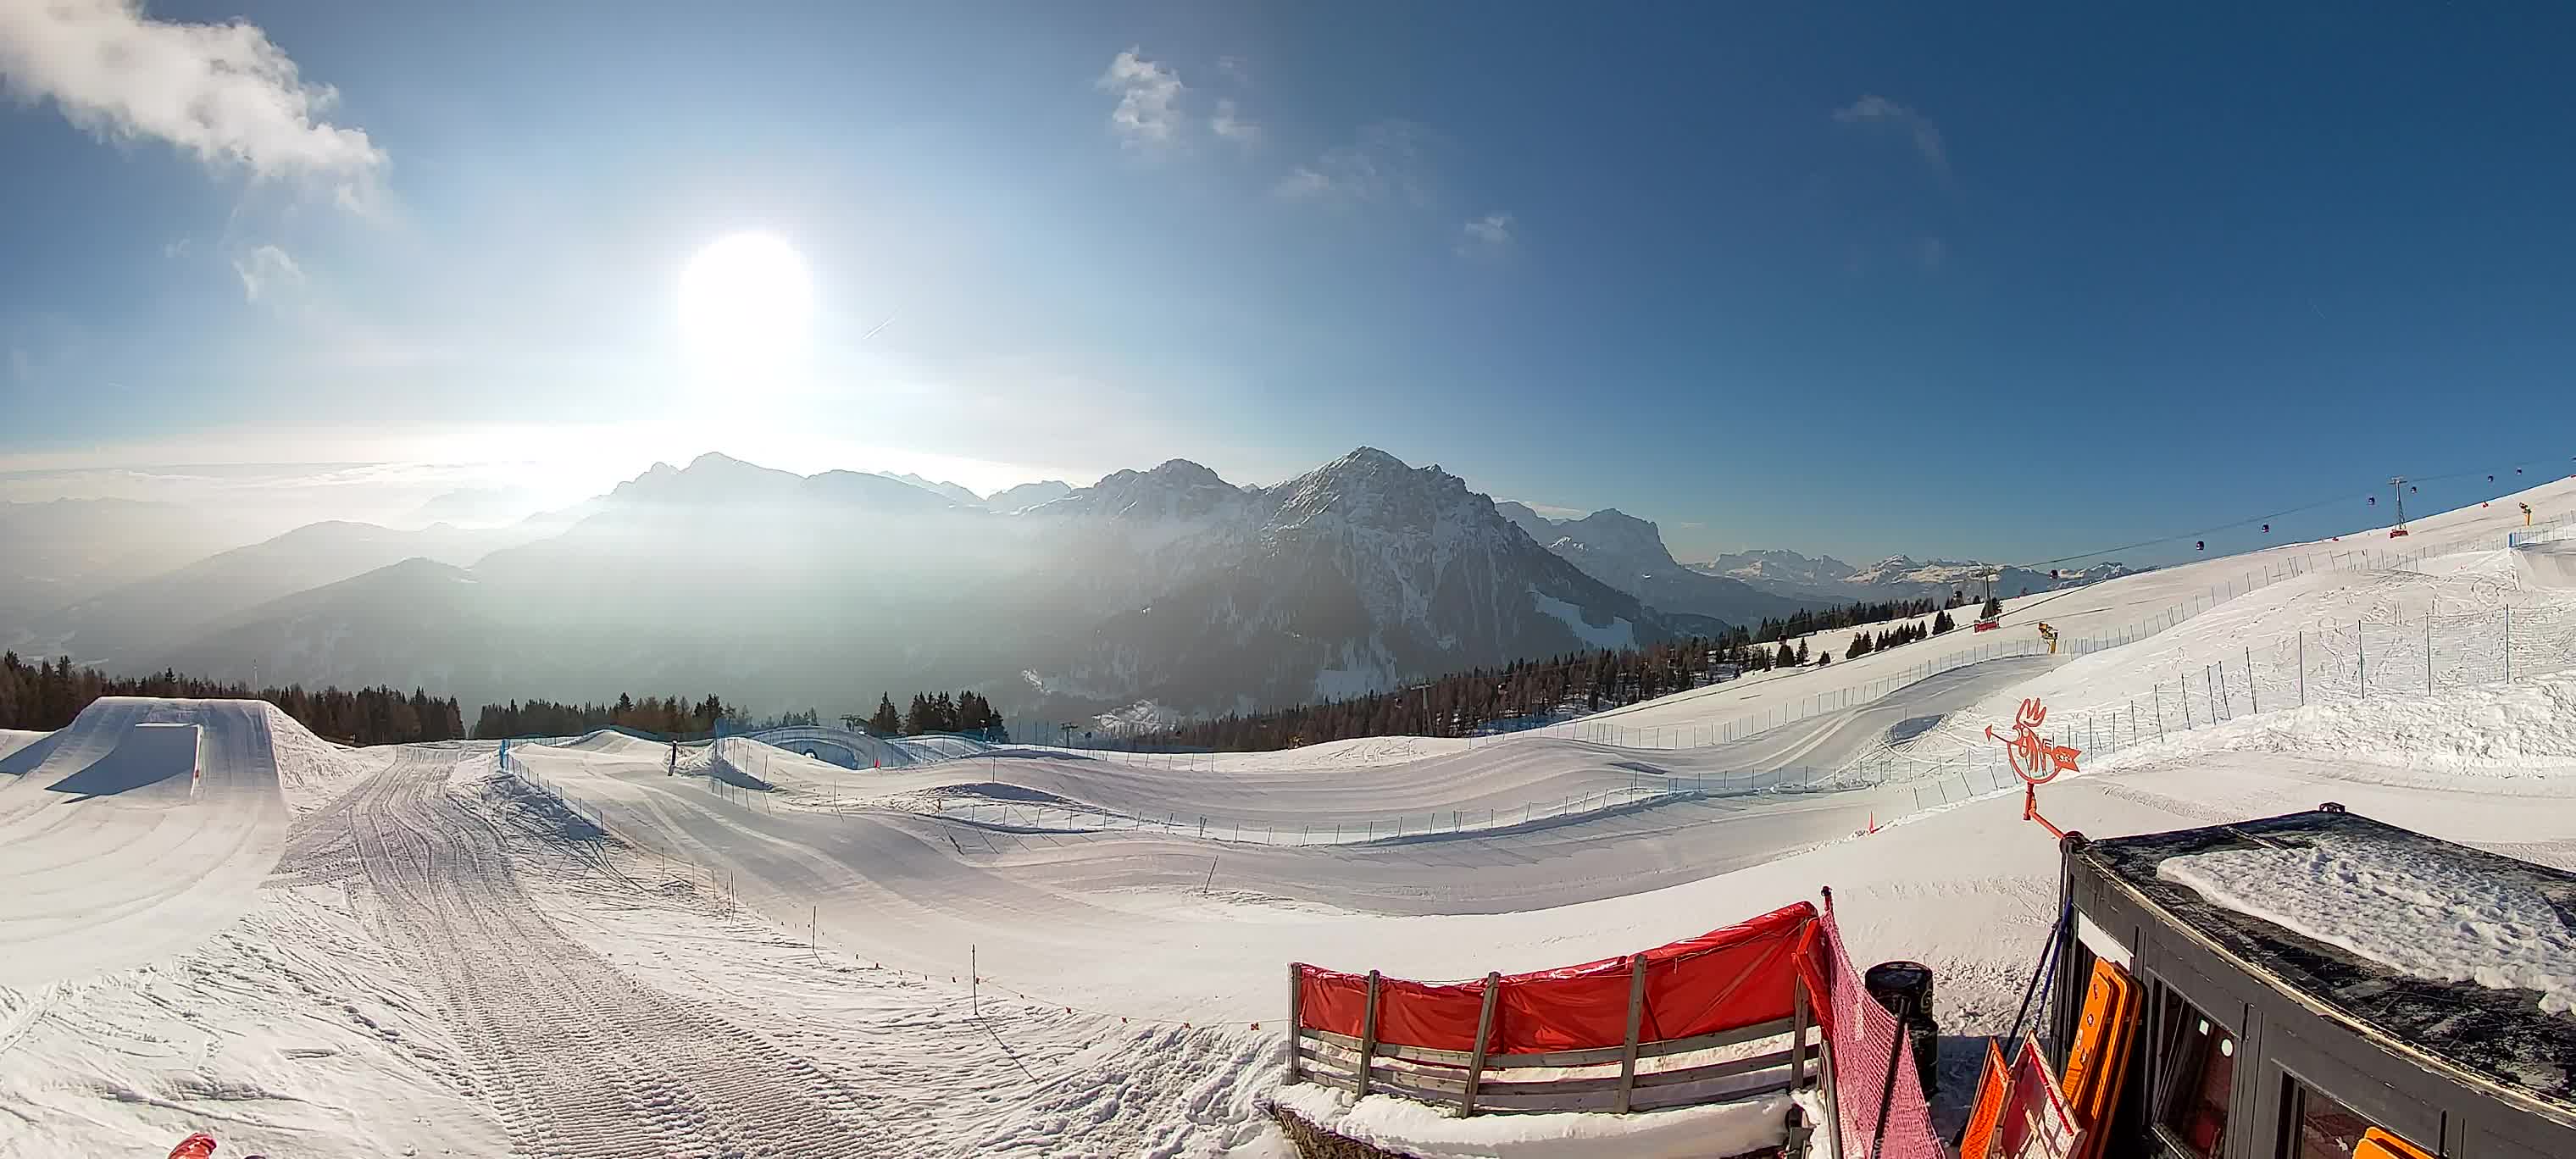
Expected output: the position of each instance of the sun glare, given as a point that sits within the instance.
(746, 304)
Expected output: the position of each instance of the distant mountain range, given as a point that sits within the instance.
(1166, 590)
(1628, 553)
(1824, 579)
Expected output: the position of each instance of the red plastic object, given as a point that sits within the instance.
(1987, 625)
(197, 1146)
(1742, 975)
(2399, 533)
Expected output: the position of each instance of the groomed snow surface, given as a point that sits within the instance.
(423, 950)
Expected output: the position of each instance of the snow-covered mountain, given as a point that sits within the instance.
(1010, 499)
(772, 588)
(1829, 580)
(1628, 553)
(1357, 576)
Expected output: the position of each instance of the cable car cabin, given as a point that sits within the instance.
(2193, 1021)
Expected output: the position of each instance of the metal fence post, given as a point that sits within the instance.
(2253, 695)
(2361, 650)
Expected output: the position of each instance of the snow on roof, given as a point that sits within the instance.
(2432, 917)
(2459, 953)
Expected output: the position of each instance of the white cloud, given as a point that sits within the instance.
(267, 271)
(1878, 109)
(1486, 234)
(223, 92)
(1149, 94)
(1231, 125)
(1385, 162)
(176, 249)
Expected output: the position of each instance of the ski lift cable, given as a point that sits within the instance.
(2207, 531)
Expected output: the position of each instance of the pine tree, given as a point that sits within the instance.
(1994, 607)
(1802, 652)
(1859, 646)
(885, 721)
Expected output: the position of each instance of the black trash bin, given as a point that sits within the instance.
(1905, 989)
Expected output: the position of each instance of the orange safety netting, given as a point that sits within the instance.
(1742, 975)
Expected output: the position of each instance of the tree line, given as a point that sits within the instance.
(1864, 643)
(48, 694)
(670, 716)
(1804, 622)
(1461, 703)
(934, 712)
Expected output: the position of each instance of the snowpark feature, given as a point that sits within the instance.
(134, 833)
(901, 975)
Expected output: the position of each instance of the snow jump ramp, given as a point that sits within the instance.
(153, 761)
(2548, 563)
(145, 826)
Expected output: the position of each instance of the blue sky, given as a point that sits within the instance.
(2010, 283)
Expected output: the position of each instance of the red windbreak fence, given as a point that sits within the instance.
(1726, 979)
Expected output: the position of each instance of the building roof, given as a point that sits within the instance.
(2503, 1035)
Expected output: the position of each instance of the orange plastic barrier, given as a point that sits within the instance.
(2099, 1057)
(1987, 1113)
(2378, 1144)
(1742, 975)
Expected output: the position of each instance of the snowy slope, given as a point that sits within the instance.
(136, 831)
(504, 907)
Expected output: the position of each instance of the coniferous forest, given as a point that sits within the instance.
(50, 693)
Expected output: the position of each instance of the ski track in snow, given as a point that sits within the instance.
(445, 958)
(577, 1058)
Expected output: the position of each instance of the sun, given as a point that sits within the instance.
(746, 304)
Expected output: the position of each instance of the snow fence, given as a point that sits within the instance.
(1672, 1026)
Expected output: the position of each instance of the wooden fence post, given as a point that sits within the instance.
(1368, 1035)
(1484, 1035)
(1798, 1037)
(1636, 1014)
(1296, 1023)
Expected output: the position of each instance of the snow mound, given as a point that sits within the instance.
(2414, 914)
(145, 826)
(16, 740)
(1411, 1128)
(2525, 730)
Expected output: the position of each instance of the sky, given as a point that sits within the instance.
(1969, 281)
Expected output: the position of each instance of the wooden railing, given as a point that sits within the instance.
(1647, 1075)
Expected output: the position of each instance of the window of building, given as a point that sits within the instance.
(2320, 1127)
(2198, 1070)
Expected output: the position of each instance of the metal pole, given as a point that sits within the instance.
(2253, 695)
